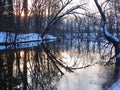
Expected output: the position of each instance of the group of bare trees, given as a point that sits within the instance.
(6, 10)
(54, 16)
(50, 16)
(35, 15)
(42, 16)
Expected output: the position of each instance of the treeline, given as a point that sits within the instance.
(54, 17)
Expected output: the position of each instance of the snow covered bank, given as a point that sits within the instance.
(24, 40)
(9, 37)
(49, 37)
(115, 86)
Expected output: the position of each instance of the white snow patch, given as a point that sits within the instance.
(113, 37)
(2, 36)
(115, 86)
(48, 36)
(26, 38)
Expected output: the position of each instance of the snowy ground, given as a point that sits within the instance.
(115, 86)
(24, 40)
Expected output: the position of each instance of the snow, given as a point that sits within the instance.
(20, 37)
(24, 40)
(107, 34)
(2, 36)
(28, 37)
(115, 86)
(2, 47)
(47, 36)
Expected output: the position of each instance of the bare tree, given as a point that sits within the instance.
(60, 14)
(114, 15)
(111, 38)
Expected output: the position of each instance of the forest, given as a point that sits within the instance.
(44, 44)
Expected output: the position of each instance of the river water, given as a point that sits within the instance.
(40, 65)
(96, 77)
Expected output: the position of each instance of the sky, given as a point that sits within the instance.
(90, 5)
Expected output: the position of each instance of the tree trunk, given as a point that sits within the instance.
(111, 38)
(11, 17)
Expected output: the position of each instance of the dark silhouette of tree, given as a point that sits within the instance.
(1, 7)
(6, 14)
(10, 13)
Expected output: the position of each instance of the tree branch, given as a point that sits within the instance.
(57, 16)
(110, 37)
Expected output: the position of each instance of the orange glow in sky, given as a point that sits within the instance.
(22, 14)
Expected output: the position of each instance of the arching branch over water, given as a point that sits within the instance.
(61, 13)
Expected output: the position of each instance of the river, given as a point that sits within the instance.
(42, 65)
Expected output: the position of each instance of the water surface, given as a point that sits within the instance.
(40, 65)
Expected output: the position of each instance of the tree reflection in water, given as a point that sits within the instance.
(28, 69)
(40, 67)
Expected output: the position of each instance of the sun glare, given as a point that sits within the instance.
(29, 4)
(22, 14)
(29, 7)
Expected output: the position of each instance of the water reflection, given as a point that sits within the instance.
(26, 69)
(95, 77)
(41, 66)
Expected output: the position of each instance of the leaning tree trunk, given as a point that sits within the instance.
(111, 38)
